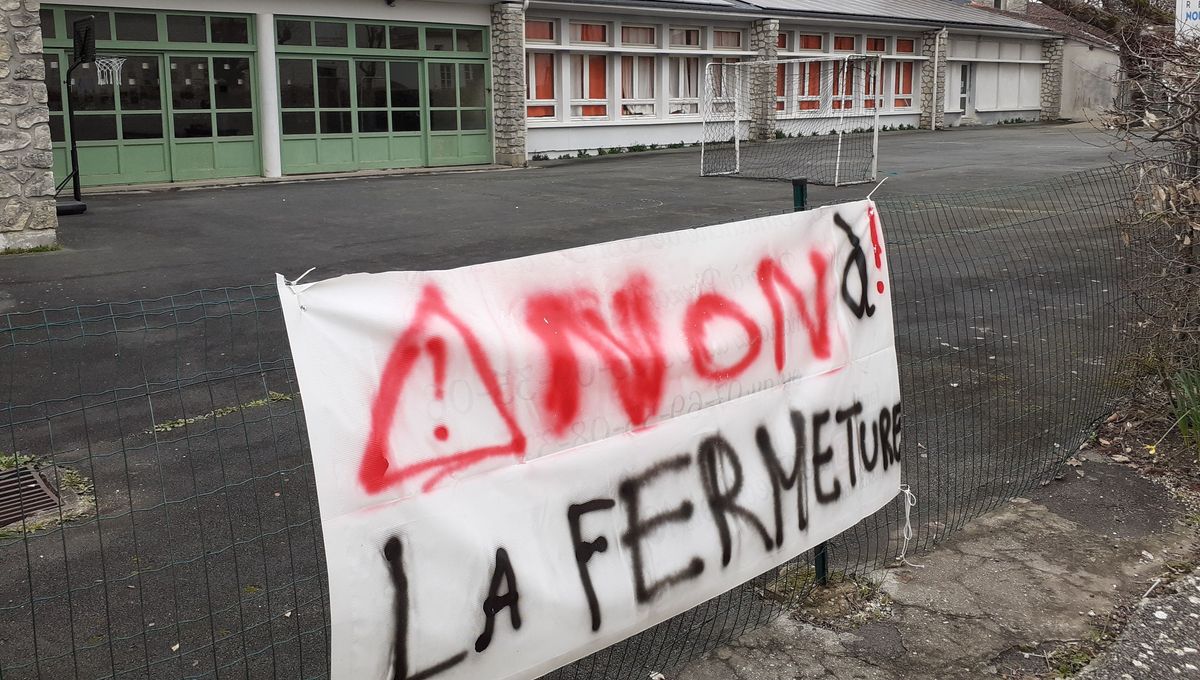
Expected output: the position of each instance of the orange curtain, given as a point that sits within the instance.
(780, 80)
(543, 72)
(810, 42)
(904, 83)
(540, 111)
(597, 77)
(539, 30)
(906, 46)
(814, 80)
(593, 33)
(844, 43)
(781, 41)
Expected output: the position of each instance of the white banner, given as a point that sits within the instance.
(522, 462)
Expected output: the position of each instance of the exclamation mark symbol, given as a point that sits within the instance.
(876, 245)
(437, 350)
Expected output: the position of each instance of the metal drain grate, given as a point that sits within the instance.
(23, 491)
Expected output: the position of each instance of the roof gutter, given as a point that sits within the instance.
(832, 17)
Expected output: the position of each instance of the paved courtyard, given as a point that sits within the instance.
(142, 245)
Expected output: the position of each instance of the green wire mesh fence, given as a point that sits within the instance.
(185, 541)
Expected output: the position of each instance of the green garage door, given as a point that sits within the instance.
(371, 95)
(180, 107)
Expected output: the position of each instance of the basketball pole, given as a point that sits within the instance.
(84, 52)
(76, 186)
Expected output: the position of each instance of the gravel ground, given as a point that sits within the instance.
(1162, 639)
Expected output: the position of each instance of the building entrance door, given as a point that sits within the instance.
(120, 126)
(163, 118)
(459, 133)
(966, 90)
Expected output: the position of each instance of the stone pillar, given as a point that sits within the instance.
(934, 46)
(764, 37)
(28, 217)
(508, 82)
(1052, 79)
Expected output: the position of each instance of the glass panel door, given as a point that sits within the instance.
(351, 113)
(119, 125)
(212, 117)
(966, 90)
(459, 119)
(391, 125)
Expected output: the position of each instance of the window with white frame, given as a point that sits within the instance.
(724, 82)
(903, 88)
(872, 85)
(906, 46)
(639, 36)
(637, 85)
(540, 89)
(844, 81)
(540, 30)
(876, 45)
(685, 86)
(798, 87)
(727, 40)
(784, 41)
(589, 34)
(783, 84)
(685, 37)
(844, 43)
(589, 86)
(808, 86)
(811, 42)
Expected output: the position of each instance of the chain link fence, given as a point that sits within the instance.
(185, 539)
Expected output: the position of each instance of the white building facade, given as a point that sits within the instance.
(213, 89)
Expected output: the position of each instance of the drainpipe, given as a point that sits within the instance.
(937, 60)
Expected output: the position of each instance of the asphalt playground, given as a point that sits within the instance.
(133, 246)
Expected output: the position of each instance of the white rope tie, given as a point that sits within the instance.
(298, 278)
(876, 188)
(910, 502)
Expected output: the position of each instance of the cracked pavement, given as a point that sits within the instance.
(1051, 567)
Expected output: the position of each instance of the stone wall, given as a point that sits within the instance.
(934, 46)
(508, 82)
(1017, 5)
(764, 36)
(27, 216)
(1052, 78)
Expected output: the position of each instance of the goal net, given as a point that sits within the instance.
(815, 118)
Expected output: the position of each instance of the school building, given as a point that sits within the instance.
(211, 89)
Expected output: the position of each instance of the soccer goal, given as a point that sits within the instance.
(816, 118)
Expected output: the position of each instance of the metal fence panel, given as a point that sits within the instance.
(189, 542)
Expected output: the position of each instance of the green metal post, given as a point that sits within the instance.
(821, 555)
(800, 194)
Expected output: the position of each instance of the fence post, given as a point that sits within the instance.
(800, 194)
(821, 555)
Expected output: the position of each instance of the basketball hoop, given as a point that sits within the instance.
(108, 69)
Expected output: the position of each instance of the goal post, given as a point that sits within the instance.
(787, 118)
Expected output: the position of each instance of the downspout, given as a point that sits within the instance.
(937, 60)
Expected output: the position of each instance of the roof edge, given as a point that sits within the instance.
(742, 10)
